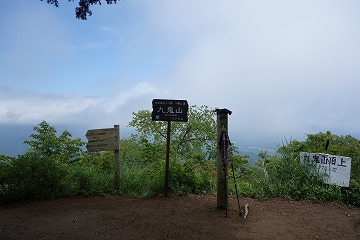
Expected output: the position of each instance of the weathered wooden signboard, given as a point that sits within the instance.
(103, 145)
(335, 168)
(101, 134)
(169, 110)
(106, 139)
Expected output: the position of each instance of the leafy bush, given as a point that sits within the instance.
(43, 172)
(148, 179)
(87, 181)
(33, 177)
(56, 166)
(187, 139)
(44, 143)
(284, 176)
(184, 178)
(142, 181)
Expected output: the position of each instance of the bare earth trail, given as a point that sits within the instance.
(176, 217)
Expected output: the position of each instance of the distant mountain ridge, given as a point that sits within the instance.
(12, 137)
(253, 152)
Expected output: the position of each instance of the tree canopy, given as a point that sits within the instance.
(194, 139)
(83, 10)
(44, 143)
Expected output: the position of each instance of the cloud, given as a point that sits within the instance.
(282, 68)
(32, 107)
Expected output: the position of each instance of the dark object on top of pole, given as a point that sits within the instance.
(222, 110)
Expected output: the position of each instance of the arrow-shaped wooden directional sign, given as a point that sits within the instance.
(103, 145)
(102, 134)
(105, 139)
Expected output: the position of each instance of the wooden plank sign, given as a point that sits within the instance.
(102, 134)
(103, 145)
(105, 139)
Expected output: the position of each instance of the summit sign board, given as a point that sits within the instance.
(169, 110)
(336, 169)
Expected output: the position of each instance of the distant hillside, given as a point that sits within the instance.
(12, 139)
(254, 151)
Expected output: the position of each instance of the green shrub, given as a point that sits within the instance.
(284, 176)
(142, 181)
(351, 195)
(87, 181)
(33, 177)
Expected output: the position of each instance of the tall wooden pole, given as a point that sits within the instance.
(117, 159)
(167, 158)
(221, 159)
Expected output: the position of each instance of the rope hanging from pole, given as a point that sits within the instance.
(224, 166)
(236, 189)
(226, 153)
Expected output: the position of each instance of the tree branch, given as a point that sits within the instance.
(83, 10)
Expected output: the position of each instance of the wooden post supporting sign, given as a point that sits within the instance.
(106, 139)
(169, 110)
(167, 163)
(117, 160)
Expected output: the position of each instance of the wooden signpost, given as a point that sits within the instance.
(106, 139)
(169, 110)
(101, 134)
(222, 158)
(103, 145)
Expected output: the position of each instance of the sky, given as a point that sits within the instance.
(284, 68)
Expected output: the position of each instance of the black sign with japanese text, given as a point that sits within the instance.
(169, 110)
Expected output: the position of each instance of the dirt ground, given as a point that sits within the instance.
(176, 217)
